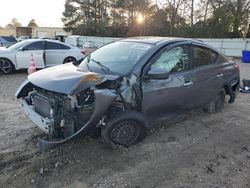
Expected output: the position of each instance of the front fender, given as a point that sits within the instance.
(103, 100)
(24, 89)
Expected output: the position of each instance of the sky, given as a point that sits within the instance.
(47, 13)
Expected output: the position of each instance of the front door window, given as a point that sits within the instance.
(176, 59)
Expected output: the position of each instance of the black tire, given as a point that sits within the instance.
(69, 60)
(124, 129)
(217, 104)
(6, 66)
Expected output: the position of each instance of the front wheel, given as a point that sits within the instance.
(217, 104)
(6, 66)
(125, 128)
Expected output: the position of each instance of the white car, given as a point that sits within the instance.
(21, 38)
(46, 53)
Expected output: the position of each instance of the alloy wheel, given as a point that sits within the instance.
(5, 66)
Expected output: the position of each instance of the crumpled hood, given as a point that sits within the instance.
(67, 79)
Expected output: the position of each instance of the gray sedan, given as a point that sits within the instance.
(120, 89)
(46, 53)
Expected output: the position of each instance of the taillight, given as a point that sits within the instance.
(84, 52)
(236, 66)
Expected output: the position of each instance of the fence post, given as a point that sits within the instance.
(221, 47)
(246, 41)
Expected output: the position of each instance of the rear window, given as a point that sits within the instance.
(56, 46)
(221, 59)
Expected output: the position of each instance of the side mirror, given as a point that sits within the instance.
(156, 74)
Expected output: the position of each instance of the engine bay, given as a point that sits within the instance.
(69, 113)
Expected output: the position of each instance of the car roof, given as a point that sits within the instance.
(34, 40)
(159, 40)
(47, 40)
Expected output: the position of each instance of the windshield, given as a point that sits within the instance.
(117, 57)
(18, 45)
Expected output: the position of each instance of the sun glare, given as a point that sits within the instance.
(140, 19)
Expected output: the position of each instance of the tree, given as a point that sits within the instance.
(193, 18)
(172, 8)
(159, 24)
(14, 24)
(86, 16)
(192, 14)
(70, 16)
(32, 23)
(238, 10)
(248, 32)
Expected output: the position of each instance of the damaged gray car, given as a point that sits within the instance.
(121, 88)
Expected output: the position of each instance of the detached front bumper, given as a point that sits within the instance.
(43, 123)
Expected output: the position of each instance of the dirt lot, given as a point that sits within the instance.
(200, 150)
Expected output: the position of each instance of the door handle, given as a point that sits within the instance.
(188, 84)
(219, 75)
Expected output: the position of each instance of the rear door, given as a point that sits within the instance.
(55, 53)
(23, 56)
(208, 72)
(174, 94)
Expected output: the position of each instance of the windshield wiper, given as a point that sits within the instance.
(103, 67)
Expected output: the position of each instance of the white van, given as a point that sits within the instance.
(79, 41)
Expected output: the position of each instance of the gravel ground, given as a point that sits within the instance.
(197, 150)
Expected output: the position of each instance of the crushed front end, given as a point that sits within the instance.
(64, 116)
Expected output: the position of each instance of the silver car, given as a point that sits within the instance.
(46, 53)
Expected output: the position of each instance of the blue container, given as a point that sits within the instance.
(246, 56)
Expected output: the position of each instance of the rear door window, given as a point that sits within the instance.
(203, 56)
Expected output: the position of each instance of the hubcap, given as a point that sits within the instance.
(126, 133)
(5, 66)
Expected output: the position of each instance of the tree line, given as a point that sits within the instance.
(15, 23)
(177, 18)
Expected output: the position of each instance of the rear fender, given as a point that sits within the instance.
(231, 90)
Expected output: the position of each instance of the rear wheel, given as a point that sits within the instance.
(124, 129)
(6, 66)
(69, 60)
(217, 104)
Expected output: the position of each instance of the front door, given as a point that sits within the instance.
(23, 56)
(174, 93)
